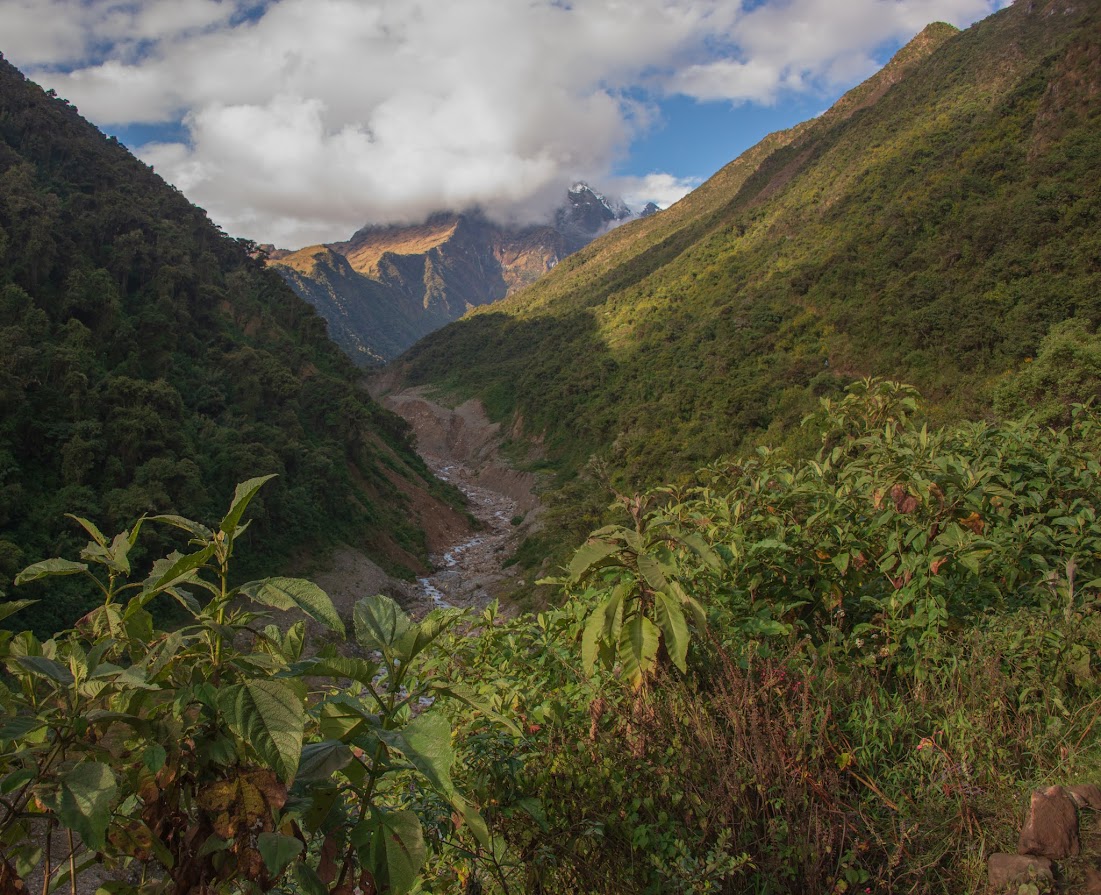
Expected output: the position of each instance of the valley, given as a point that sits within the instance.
(468, 564)
(789, 494)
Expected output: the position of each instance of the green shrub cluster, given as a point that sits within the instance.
(842, 674)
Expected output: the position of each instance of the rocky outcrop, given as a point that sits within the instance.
(1051, 833)
(1051, 829)
(388, 286)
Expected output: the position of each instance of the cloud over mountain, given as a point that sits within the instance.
(304, 119)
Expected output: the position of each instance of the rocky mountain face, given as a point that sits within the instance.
(386, 287)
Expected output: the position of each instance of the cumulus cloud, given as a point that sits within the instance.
(660, 188)
(306, 119)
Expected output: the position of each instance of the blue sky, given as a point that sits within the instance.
(298, 121)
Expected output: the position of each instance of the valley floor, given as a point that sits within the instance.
(461, 446)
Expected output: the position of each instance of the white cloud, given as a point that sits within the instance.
(661, 189)
(308, 118)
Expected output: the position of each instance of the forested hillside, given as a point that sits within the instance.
(933, 226)
(147, 363)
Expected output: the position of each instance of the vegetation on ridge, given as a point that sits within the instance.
(933, 227)
(145, 359)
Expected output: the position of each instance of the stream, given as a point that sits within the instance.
(468, 573)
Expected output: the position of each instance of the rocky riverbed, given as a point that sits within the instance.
(461, 446)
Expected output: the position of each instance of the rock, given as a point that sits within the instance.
(1012, 870)
(1051, 829)
(1086, 796)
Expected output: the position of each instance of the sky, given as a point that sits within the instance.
(295, 122)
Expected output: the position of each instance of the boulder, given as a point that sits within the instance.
(1051, 829)
(1086, 796)
(1013, 870)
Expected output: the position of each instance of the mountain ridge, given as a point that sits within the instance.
(913, 231)
(426, 275)
(148, 364)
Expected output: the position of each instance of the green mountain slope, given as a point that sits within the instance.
(147, 364)
(932, 226)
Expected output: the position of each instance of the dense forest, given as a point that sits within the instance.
(933, 226)
(146, 360)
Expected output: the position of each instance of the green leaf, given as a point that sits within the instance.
(638, 649)
(589, 555)
(651, 571)
(670, 619)
(269, 716)
(175, 569)
(89, 527)
(603, 625)
(398, 850)
(431, 627)
(704, 551)
(306, 880)
(359, 670)
(321, 760)
(296, 593)
(199, 531)
(43, 667)
(426, 743)
(380, 623)
(50, 568)
(473, 819)
(154, 757)
(841, 561)
(17, 728)
(241, 498)
(10, 607)
(590, 639)
(277, 851)
(84, 801)
(467, 696)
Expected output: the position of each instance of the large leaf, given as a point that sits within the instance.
(241, 498)
(50, 568)
(589, 555)
(651, 571)
(674, 628)
(175, 569)
(91, 528)
(321, 760)
(380, 623)
(638, 649)
(603, 625)
(296, 593)
(359, 670)
(397, 850)
(467, 696)
(269, 716)
(84, 801)
(421, 635)
(44, 667)
(200, 531)
(10, 607)
(426, 743)
(277, 851)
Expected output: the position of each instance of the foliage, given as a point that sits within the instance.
(900, 642)
(932, 227)
(224, 755)
(145, 358)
